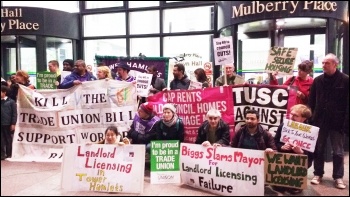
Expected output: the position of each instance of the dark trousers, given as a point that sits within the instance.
(6, 141)
(337, 142)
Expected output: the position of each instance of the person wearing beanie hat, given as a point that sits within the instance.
(147, 108)
(143, 122)
(169, 106)
(68, 65)
(170, 127)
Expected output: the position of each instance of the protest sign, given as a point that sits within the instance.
(281, 60)
(223, 50)
(195, 85)
(49, 119)
(272, 102)
(193, 105)
(287, 170)
(223, 170)
(143, 83)
(165, 161)
(46, 80)
(137, 64)
(300, 134)
(103, 168)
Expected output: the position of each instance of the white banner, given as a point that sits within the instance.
(300, 134)
(223, 170)
(223, 50)
(143, 83)
(103, 168)
(49, 119)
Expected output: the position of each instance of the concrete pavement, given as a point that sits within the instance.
(44, 179)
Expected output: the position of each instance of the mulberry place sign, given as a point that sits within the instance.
(11, 19)
(239, 12)
(257, 7)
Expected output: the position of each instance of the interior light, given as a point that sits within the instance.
(280, 22)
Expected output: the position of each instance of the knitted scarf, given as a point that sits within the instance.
(172, 121)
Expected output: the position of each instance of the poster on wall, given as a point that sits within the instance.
(191, 61)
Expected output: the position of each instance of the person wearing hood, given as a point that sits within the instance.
(180, 81)
(79, 75)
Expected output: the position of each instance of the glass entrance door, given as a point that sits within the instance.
(256, 38)
(17, 53)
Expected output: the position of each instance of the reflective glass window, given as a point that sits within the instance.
(140, 4)
(104, 24)
(199, 44)
(102, 4)
(108, 47)
(58, 49)
(145, 22)
(147, 46)
(188, 19)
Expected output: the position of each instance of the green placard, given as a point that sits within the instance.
(165, 155)
(46, 80)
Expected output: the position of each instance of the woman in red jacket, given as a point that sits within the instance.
(303, 81)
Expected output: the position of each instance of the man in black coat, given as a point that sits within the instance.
(329, 102)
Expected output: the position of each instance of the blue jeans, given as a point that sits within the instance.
(337, 142)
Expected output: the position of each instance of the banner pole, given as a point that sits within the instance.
(225, 74)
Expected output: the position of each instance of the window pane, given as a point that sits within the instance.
(67, 6)
(141, 4)
(188, 19)
(104, 24)
(319, 51)
(58, 49)
(147, 46)
(102, 4)
(108, 47)
(301, 42)
(254, 54)
(199, 44)
(144, 22)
